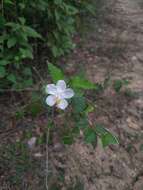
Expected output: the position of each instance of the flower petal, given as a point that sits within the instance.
(51, 89)
(61, 85)
(62, 104)
(68, 93)
(31, 142)
(51, 100)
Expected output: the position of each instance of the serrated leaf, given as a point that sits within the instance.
(78, 82)
(26, 53)
(2, 22)
(109, 139)
(82, 123)
(55, 73)
(8, 2)
(11, 42)
(4, 62)
(2, 72)
(79, 104)
(100, 130)
(89, 109)
(90, 135)
(31, 32)
(71, 10)
(11, 78)
(67, 140)
(56, 51)
(22, 20)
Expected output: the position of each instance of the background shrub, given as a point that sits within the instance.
(28, 27)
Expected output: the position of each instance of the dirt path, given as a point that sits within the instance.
(116, 51)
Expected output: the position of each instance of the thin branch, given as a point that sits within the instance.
(38, 74)
(2, 8)
(47, 158)
(18, 90)
(47, 152)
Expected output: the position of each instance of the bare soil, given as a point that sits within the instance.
(113, 48)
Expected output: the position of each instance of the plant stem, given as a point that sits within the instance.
(2, 8)
(47, 157)
(47, 152)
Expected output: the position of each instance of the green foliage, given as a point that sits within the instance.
(80, 111)
(67, 139)
(109, 139)
(16, 49)
(118, 84)
(79, 104)
(16, 158)
(90, 135)
(78, 82)
(55, 73)
(30, 26)
(106, 136)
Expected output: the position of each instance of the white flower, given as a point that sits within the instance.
(31, 142)
(58, 94)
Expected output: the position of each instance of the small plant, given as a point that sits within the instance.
(79, 107)
(76, 111)
(118, 84)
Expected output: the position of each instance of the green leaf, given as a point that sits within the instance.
(91, 9)
(4, 62)
(118, 85)
(2, 72)
(58, 2)
(109, 139)
(89, 109)
(22, 20)
(34, 108)
(56, 51)
(100, 130)
(31, 32)
(67, 140)
(90, 135)
(8, 2)
(78, 82)
(11, 42)
(55, 73)
(79, 104)
(26, 53)
(11, 78)
(19, 114)
(82, 123)
(71, 10)
(141, 147)
(106, 136)
(2, 22)
(28, 82)
(27, 71)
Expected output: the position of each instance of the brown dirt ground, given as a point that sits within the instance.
(116, 50)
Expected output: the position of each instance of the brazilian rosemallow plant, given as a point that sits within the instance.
(70, 96)
(67, 97)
